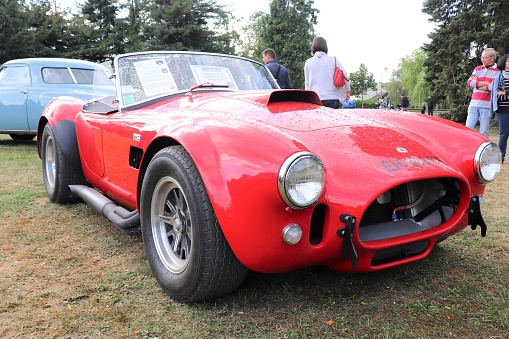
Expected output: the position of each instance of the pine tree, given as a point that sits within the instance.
(97, 27)
(289, 30)
(186, 25)
(15, 38)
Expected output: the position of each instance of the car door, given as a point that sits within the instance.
(15, 83)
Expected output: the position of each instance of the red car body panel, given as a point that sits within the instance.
(239, 152)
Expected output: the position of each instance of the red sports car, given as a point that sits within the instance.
(223, 172)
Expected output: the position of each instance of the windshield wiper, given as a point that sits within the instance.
(207, 84)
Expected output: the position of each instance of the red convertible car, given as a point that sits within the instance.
(223, 172)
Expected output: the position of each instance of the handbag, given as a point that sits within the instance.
(339, 77)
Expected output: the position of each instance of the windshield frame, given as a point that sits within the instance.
(137, 82)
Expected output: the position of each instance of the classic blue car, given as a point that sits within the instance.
(27, 85)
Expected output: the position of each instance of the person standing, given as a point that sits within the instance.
(319, 73)
(502, 103)
(387, 103)
(279, 71)
(404, 102)
(431, 108)
(480, 107)
(423, 108)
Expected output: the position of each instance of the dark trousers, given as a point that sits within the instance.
(503, 128)
(331, 103)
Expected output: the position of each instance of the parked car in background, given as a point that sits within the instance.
(223, 172)
(27, 85)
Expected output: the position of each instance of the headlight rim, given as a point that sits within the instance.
(283, 172)
(478, 162)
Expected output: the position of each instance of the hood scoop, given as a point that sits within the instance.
(287, 95)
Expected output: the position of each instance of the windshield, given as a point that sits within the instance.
(145, 76)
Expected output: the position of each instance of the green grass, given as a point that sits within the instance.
(68, 273)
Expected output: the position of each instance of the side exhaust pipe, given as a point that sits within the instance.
(126, 221)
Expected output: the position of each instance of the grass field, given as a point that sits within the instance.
(66, 272)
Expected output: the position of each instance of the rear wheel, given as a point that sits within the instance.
(56, 170)
(186, 248)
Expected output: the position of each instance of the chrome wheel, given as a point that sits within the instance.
(49, 161)
(171, 225)
(185, 246)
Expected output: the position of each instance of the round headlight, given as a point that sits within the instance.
(301, 180)
(487, 162)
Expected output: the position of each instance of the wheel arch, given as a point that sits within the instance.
(155, 146)
(191, 259)
(60, 113)
(229, 159)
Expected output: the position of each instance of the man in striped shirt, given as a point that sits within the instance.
(481, 81)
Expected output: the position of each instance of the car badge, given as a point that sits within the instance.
(136, 137)
(401, 150)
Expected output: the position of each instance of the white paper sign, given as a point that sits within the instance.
(155, 77)
(213, 74)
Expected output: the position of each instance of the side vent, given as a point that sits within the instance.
(317, 223)
(135, 155)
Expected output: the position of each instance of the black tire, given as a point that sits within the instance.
(56, 170)
(22, 137)
(185, 246)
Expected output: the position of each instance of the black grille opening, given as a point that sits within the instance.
(399, 252)
(410, 208)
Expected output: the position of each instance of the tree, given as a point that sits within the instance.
(249, 39)
(186, 25)
(289, 30)
(99, 25)
(48, 29)
(14, 34)
(464, 29)
(361, 81)
(412, 76)
(393, 87)
(130, 31)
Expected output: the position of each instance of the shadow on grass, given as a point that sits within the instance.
(316, 286)
(17, 143)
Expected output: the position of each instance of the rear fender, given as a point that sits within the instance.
(61, 113)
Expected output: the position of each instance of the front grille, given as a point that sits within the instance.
(409, 208)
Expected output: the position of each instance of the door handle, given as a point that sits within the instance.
(24, 91)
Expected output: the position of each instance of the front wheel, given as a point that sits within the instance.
(185, 246)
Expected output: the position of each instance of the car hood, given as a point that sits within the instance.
(373, 132)
(386, 146)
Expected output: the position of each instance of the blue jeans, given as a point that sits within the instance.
(331, 103)
(503, 131)
(483, 116)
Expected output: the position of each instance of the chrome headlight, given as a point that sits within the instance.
(301, 180)
(487, 162)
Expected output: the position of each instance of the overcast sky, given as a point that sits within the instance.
(373, 32)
